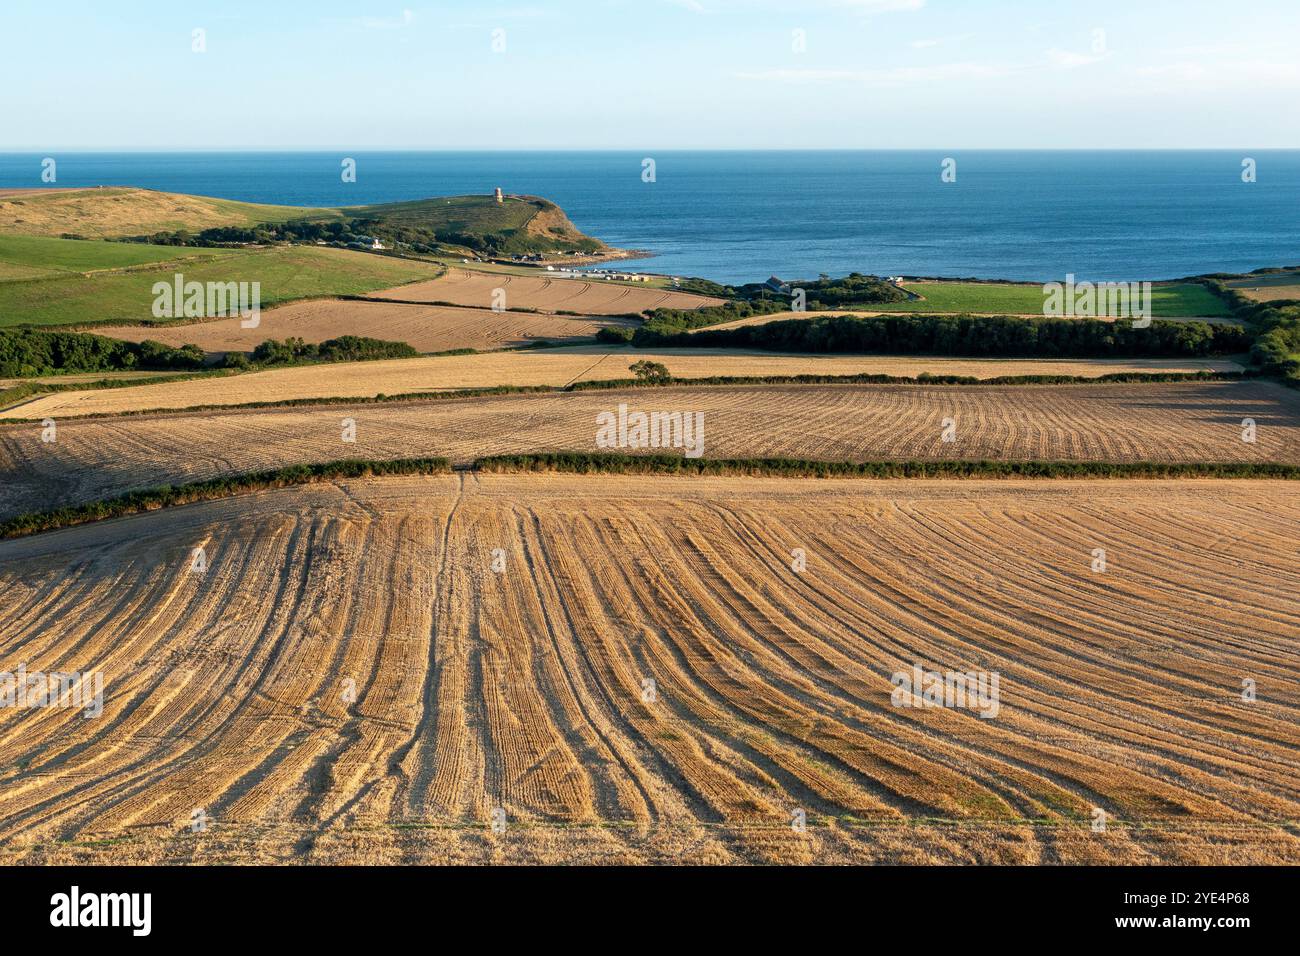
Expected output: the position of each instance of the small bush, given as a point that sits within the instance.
(614, 335)
(236, 360)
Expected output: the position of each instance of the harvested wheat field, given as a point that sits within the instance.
(1178, 422)
(1268, 286)
(597, 297)
(1272, 293)
(551, 367)
(428, 328)
(645, 678)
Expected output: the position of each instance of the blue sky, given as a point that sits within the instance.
(632, 74)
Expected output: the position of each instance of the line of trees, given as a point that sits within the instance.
(667, 321)
(965, 335)
(1276, 349)
(345, 348)
(28, 352)
(419, 238)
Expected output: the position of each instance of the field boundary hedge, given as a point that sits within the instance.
(169, 496)
(617, 464)
(870, 378)
(1276, 349)
(962, 336)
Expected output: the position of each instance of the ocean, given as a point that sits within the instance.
(742, 216)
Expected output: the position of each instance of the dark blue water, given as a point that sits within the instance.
(736, 216)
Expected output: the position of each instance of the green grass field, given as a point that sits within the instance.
(285, 272)
(32, 256)
(1167, 301)
(253, 213)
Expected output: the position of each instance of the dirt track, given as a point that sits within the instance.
(525, 689)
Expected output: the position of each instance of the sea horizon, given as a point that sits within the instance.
(741, 215)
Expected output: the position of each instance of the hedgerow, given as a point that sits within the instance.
(166, 496)
(28, 352)
(607, 463)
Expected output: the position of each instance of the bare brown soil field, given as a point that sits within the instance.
(428, 328)
(598, 297)
(649, 680)
(552, 367)
(1182, 422)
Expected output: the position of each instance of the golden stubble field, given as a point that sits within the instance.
(1177, 422)
(1272, 293)
(427, 328)
(633, 670)
(549, 367)
(483, 290)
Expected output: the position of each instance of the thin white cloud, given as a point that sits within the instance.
(1178, 71)
(521, 13)
(865, 7)
(881, 6)
(404, 19)
(884, 79)
(1224, 74)
(1069, 60)
(926, 43)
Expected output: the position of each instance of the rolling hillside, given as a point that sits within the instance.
(102, 282)
(521, 224)
(112, 212)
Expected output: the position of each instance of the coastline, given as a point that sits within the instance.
(611, 254)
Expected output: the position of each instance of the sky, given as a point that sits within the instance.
(664, 74)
